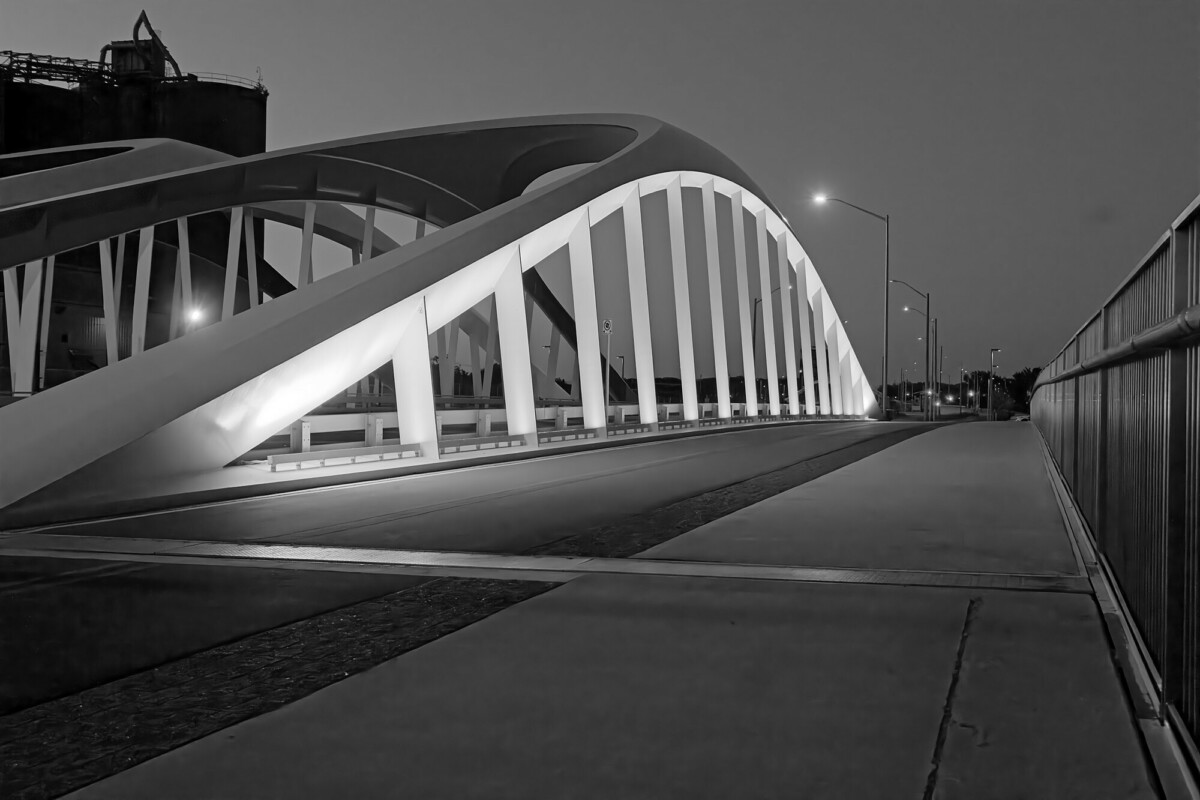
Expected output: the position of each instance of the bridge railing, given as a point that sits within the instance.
(1119, 408)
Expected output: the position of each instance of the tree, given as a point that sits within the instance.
(1021, 385)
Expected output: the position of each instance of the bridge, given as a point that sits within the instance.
(401, 520)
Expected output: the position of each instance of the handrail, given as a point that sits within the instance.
(221, 77)
(1168, 333)
(1120, 425)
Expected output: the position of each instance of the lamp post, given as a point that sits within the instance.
(821, 199)
(962, 389)
(927, 296)
(754, 332)
(991, 378)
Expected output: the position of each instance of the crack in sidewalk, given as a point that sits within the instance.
(948, 710)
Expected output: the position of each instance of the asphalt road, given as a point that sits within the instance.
(66, 625)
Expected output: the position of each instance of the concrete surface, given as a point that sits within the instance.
(640, 686)
(71, 625)
(972, 498)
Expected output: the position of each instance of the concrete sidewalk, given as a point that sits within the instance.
(653, 686)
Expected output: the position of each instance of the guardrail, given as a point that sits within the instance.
(1119, 408)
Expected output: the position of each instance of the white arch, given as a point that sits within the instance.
(206, 431)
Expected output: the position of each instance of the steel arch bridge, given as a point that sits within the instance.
(200, 401)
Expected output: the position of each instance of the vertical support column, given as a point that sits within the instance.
(715, 300)
(232, 251)
(806, 359)
(836, 388)
(184, 256)
(251, 257)
(368, 237)
(530, 356)
(108, 301)
(300, 436)
(414, 385)
(857, 379)
(764, 280)
(552, 360)
(789, 330)
(587, 325)
(21, 307)
(743, 290)
(44, 336)
(639, 303)
(508, 321)
(823, 359)
(452, 332)
(176, 328)
(118, 279)
(439, 352)
(476, 372)
(683, 302)
(306, 243)
(141, 289)
(489, 351)
(421, 230)
(12, 319)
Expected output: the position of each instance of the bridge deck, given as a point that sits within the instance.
(647, 684)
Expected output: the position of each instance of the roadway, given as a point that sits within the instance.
(72, 624)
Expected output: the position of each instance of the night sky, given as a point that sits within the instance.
(1029, 153)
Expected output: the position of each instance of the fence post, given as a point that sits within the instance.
(1100, 523)
(1174, 667)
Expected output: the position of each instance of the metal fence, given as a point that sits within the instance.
(1120, 409)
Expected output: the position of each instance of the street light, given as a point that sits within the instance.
(991, 379)
(622, 366)
(822, 199)
(926, 315)
(928, 318)
(754, 331)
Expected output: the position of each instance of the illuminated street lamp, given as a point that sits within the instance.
(991, 379)
(928, 318)
(754, 331)
(822, 199)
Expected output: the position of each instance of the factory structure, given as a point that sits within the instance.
(50, 106)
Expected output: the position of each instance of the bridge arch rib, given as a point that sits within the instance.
(201, 401)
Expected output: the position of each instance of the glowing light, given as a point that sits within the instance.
(820, 199)
(195, 315)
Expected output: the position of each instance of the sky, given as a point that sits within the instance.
(1028, 152)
